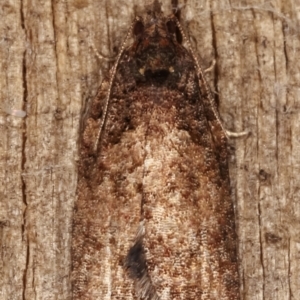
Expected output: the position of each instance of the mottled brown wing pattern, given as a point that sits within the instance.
(154, 217)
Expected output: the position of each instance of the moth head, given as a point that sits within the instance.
(157, 27)
(157, 44)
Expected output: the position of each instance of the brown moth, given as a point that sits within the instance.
(154, 218)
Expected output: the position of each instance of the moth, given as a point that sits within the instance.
(154, 217)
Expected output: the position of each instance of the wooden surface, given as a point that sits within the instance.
(49, 70)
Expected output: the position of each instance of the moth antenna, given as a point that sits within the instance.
(112, 77)
(101, 56)
(201, 74)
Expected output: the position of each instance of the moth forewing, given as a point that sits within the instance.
(154, 217)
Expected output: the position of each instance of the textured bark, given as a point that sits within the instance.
(49, 71)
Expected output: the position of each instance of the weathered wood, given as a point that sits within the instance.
(50, 71)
